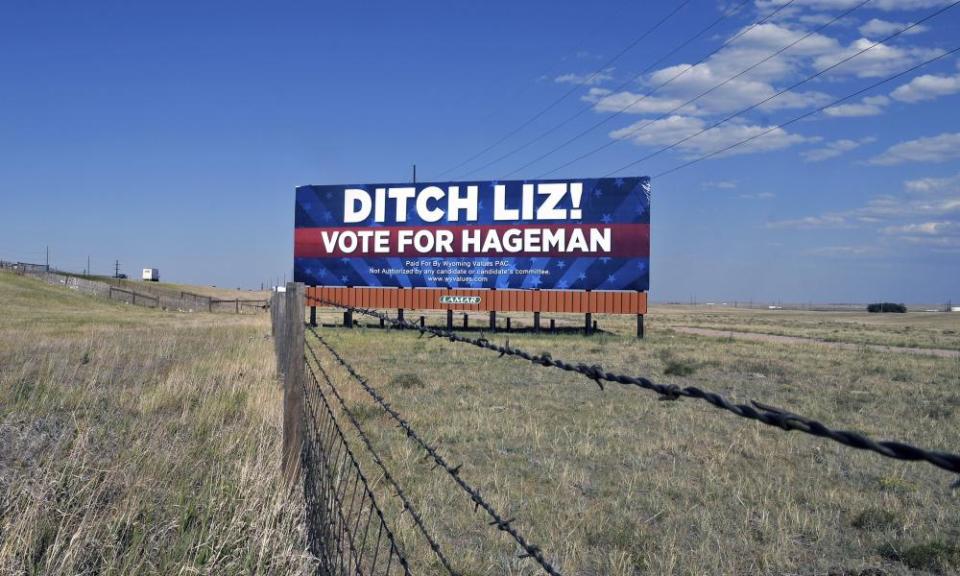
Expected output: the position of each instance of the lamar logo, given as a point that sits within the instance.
(459, 299)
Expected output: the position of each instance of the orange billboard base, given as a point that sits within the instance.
(482, 300)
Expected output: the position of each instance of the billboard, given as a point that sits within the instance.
(576, 234)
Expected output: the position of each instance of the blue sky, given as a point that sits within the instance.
(173, 134)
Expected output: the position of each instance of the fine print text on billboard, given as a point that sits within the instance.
(585, 234)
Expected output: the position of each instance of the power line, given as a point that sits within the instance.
(634, 131)
(569, 92)
(803, 116)
(788, 89)
(583, 109)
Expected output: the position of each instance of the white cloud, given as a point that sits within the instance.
(811, 222)
(927, 87)
(886, 5)
(930, 220)
(878, 28)
(591, 79)
(631, 103)
(758, 196)
(924, 229)
(721, 184)
(669, 130)
(869, 106)
(933, 185)
(844, 250)
(834, 149)
(940, 148)
(878, 60)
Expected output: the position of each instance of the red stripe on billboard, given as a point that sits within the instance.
(625, 241)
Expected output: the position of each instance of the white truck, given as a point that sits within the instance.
(151, 274)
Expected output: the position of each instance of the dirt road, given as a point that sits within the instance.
(759, 337)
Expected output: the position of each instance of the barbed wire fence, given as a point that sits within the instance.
(343, 511)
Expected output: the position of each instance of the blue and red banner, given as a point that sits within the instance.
(586, 234)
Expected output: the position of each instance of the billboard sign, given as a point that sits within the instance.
(578, 234)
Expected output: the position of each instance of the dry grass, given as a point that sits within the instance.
(134, 441)
(914, 329)
(615, 482)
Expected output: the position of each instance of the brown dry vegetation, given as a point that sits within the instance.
(616, 482)
(134, 441)
(914, 329)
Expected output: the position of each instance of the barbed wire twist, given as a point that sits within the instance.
(501, 523)
(756, 411)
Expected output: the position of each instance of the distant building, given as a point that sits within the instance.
(955, 309)
(151, 274)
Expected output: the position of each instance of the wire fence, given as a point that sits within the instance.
(348, 532)
(757, 411)
(136, 293)
(348, 527)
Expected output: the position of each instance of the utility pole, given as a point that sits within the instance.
(414, 173)
(88, 265)
(48, 258)
(116, 269)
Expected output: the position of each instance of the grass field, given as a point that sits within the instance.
(134, 441)
(616, 482)
(914, 329)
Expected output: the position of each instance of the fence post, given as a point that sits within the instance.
(237, 303)
(293, 382)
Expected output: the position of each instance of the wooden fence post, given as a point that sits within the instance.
(293, 381)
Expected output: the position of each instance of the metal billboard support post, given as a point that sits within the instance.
(449, 319)
(536, 322)
(493, 320)
(466, 321)
(348, 319)
(588, 324)
(400, 318)
(313, 316)
(640, 330)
